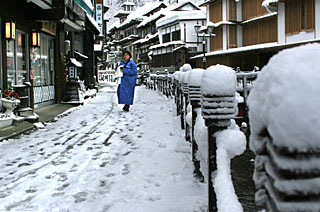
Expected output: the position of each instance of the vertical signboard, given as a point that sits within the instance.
(99, 15)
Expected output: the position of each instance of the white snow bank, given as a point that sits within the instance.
(219, 80)
(195, 77)
(285, 100)
(230, 143)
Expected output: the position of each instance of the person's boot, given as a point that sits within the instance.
(126, 108)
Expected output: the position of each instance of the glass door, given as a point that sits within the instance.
(21, 73)
(17, 60)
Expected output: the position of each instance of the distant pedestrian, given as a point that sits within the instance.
(126, 88)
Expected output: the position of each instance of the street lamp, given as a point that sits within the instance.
(209, 29)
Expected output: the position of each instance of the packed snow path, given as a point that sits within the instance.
(98, 158)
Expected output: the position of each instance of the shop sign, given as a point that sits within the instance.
(99, 12)
(49, 27)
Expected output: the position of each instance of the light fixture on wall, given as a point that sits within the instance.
(10, 30)
(35, 39)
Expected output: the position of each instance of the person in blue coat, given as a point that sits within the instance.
(126, 88)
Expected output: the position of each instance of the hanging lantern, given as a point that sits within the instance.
(10, 30)
(35, 39)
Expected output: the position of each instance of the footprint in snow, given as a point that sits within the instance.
(80, 197)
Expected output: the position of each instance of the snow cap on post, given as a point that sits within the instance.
(186, 67)
(195, 77)
(219, 80)
(185, 78)
(176, 75)
(285, 100)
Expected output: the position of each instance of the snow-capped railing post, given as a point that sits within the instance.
(181, 100)
(185, 91)
(194, 82)
(218, 106)
(245, 84)
(177, 91)
(284, 111)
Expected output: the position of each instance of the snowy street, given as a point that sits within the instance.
(99, 158)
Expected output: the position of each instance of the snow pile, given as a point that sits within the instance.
(230, 143)
(284, 119)
(219, 80)
(285, 100)
(201, 137)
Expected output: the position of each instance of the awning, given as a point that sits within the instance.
(71, 26)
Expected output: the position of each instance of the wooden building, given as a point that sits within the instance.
(177, 36)
(249, 32)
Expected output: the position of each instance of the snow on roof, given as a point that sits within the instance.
(285, 101)
(166, 44)
(174, 16)
(106, 16)
(93, 21)
(113, 26)
(260, 17)
(151, 6)
(146, 39)
(220, 23)
(239, 49)
(266, 3)
(182, 4)
(122, 12)
(128, 3)
(155, 16)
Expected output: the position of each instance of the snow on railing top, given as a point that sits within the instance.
(219, 80)
(285, 100)
(195, 77)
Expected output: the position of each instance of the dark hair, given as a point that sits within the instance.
(127, 52)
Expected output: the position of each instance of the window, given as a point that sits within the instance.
(215, 11)
(252, 9)
(232, 10)
(176, 35)
(166, 38)
(43, 63)
(232, 36)
(299, 15)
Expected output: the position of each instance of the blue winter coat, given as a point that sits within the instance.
(128, 82)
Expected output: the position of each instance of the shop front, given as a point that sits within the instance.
(30, 66)
(42, 72)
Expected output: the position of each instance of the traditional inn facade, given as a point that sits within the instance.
(148, 35)
(177, 36)
(249, 32)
